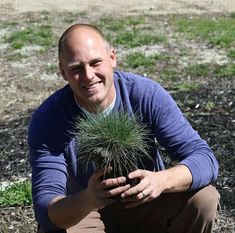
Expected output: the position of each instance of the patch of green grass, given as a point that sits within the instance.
(199, 70)
(215, 31)
(186, 86)
(232, 15)
(130, 31)
(119, 24)
(17, 194)
(168, 74)
(138, 59)
(135, 38)
(209, 70)
(41, 35)
(231, 53)
(69, 17)
(226, 71)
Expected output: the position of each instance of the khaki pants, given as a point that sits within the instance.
(186, 212)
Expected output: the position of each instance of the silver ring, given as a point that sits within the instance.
(143, 194)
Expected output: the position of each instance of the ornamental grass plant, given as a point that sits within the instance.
(114, 141)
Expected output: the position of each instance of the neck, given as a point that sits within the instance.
(98, 108)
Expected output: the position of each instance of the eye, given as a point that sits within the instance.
(96, 63)
(76, 69)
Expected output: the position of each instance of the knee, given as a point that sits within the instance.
(204, 204)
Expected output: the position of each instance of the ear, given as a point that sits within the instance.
(62, 71)
(113, 58)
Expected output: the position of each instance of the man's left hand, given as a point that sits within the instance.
(151, 185)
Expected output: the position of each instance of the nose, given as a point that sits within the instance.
(88, 73)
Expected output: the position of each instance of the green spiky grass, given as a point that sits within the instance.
(116, 141)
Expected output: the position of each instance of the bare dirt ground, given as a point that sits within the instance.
(121, 6)
(26, 81)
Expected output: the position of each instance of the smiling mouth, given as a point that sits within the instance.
(91, 86)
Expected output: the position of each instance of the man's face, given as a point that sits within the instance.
(87, 64)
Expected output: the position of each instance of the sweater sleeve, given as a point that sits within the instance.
(174, 132)
(49, 173)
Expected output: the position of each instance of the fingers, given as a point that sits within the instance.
(136, 197)
(131, 195)
(109, 187)
(140, 174)
(140, 193)
(116, 191)
(108, 183)
(136, 200)
(102, 192)
(115, 186)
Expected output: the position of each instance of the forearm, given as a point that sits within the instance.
(153, 184)
(65, 212)
(178, 179)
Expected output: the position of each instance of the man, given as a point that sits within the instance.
(178, 199)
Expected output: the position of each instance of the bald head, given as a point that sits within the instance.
(83, 28)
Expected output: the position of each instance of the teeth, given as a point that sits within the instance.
(92, 85)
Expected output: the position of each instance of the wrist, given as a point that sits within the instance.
(166, 180)
(177, 179)
(87, 200)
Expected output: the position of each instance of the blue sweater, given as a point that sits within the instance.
(53, 155)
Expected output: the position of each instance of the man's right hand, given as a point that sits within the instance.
(102, 192)
(66, 211)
